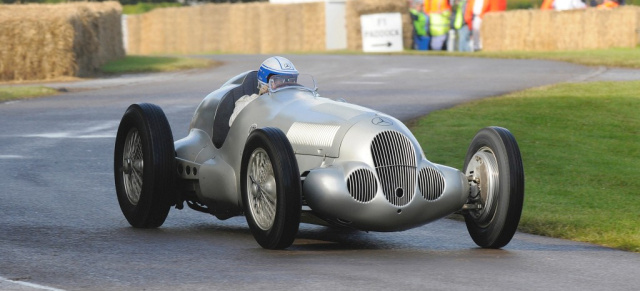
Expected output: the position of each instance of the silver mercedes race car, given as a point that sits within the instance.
(292, 156)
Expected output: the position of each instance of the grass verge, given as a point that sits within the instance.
(139, 64)
(143, 7)
(581, 149)
(13, 93)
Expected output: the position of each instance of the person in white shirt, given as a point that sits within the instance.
(559, 5)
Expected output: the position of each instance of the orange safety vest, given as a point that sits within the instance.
(547, 5)
(608, 4)
(436, 6)
(487, 6)
(468, 14)
(497, 5)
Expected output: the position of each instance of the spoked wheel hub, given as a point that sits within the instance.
(262, 189)
(132, 166)
(484, 175)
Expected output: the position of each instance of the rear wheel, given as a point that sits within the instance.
(271, 190)
(144, 166)
(494, 164)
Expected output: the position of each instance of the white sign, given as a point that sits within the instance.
(381, 32)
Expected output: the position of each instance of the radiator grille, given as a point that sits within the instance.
(362, 185)
(431, 184)
(395, 161)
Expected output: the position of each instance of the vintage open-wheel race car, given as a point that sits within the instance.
(292, 156)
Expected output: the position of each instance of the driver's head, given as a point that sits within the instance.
(276, 72)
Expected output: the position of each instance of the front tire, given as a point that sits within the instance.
(144, 166)
(494, 162)
(271, 190)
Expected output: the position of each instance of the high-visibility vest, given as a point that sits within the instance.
(458, 20)
(547, 5)
(439, 12)
(439, 23)
(436, 6)
(608, 4)
(419, 22)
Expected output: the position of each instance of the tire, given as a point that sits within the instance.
(144, 160)
(270, 172)
(494, 158)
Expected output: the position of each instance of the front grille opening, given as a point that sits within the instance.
(395, 160)
(431, 184)
(362, 185)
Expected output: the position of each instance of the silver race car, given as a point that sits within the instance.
(292, 156)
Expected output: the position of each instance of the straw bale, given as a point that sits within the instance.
(134, 28)
(249, 27)
(68, 40)
(213, 17)
(314, 27)
(356, 8)
(238, 28)
(535, 30)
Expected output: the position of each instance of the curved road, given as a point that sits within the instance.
(62, 228)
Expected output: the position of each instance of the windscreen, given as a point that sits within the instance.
(302, 81)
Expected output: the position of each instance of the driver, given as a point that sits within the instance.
(274, 73)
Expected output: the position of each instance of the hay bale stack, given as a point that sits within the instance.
(356, 8)
(50, 41)
(238, 28)
(535, 30)
(314, 27)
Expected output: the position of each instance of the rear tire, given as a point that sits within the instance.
(271, 189)
(494, 159)
(144, 166)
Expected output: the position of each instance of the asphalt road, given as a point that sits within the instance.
(62, 227)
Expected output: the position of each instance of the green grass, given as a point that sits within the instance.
(13, 93)
(615, 57)
(581, 149)
(141, 7)
(137, 64)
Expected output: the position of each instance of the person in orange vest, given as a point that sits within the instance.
(560, 5)
(439, 12)
(476, 9)
(547, 5)
(608, 4)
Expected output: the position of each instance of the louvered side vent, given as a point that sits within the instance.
(431, 184)
(362, 185)
(395, 160)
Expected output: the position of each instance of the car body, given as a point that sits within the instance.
(351, 167)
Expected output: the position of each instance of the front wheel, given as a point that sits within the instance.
(494, 165)
(271, 190)
(144, 166)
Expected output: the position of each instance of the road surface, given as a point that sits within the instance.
(62, 228)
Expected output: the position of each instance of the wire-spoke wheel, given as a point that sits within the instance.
(262, 189)
(144, 166)
(494, 167)
(132, 166)
(271, 190)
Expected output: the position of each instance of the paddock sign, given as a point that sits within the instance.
(381, 32)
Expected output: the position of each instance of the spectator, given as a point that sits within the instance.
(439, 12)
(560, 5)
(461, 27)
(476, 9)
(608, 4)
(420, 25)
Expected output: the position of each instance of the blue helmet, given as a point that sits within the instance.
(275, 66)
